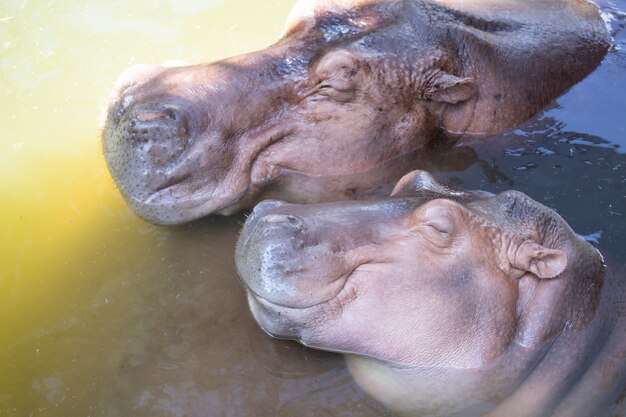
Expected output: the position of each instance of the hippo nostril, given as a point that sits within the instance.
(293, 220)
(157, 123)
(283, 218)
(171, 113)
(277, 218)
(156, 113)
(266, 205)
(152, 116)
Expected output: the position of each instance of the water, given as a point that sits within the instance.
(102, 314)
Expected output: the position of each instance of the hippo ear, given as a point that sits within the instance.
(539, 260)
(448, 88)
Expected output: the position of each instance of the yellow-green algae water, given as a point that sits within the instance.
(102, 314)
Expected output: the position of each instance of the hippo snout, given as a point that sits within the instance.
(265, 205)
(159, 132)
(266, 260)
(269, 241)
(270, 221)
(143, 147)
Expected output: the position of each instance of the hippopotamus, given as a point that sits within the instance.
(445, 302)
(329, 111)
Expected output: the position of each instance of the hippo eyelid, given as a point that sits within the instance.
(341, 94)
(436, 236)
(440, 214)
(341, 85)
(337, 61)
(439, 228)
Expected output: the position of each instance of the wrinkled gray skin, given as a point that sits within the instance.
(329, 111)
(445, 302)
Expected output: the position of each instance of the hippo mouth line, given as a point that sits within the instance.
(286, 169)
(177, 192)
(165, 188)
(226, 204)
(252, 223)
(254, 300)
(169, 190)
(170, 182)
(176, 172)
(345, 292)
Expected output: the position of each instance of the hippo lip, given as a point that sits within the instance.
(170, 182)
(173, 201)
(168, 188)
(193, 208)
(340, 292)
(172, 178)
(176, 172)
(180, 172)
(270, 303)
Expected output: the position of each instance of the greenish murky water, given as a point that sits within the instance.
(102, 314)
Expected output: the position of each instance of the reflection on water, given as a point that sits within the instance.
(103, 314)
(582, 177)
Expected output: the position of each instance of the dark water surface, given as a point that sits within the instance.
(102, 314)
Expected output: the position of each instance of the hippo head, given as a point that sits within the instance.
(430, 279)
(351, 89)
(345, 89)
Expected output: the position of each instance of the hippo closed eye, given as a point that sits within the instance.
(351, 86)
(445, 302)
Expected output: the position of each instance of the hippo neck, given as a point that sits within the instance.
(520, 61)
(524, 381)
(579, 373)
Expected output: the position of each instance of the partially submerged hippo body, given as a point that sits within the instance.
(446, 302)
(332, 110)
